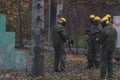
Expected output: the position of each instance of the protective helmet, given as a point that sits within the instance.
(105, 18)
(97, 18)
(108, 15)
(107, 22)
(92, 16)
(61, 20)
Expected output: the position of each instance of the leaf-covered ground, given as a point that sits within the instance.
(75, 70)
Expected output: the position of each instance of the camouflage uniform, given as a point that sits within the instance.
(59, 37)
(90, 55)
(97, 48)
(108, 41)
(93, 47)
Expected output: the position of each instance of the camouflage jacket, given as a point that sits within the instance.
(108, 38)
(59, 36)
(94, 32)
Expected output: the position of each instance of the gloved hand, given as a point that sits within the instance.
(95, 32)
(72, 42)
(87, 31)
(66, 43)
(88, 40)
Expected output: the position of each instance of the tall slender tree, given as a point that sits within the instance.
(59, 9)
(20, 25)
(38, 37)
(53, 12)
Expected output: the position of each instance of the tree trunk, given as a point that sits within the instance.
(59, 9)
(20, 25)
(53, 13)
(38, 37)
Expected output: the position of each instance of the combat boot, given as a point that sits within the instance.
(57, 70)
(63, 70)
(89, 67)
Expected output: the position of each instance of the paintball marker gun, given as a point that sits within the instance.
(70, 41)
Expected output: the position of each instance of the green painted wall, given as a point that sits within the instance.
(9, 57)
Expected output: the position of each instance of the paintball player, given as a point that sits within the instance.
(109, 17)
(96, 46)
(108, 41)
(117, 50)
(59, 41)
(93, 46)
(90, 56)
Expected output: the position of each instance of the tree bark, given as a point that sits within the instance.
(59, 9)
(38, 37)
(53, 13)
(20, 25)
